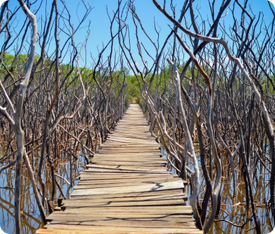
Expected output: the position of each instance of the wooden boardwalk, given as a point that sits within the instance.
(126, 189)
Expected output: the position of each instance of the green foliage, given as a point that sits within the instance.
(133, 90)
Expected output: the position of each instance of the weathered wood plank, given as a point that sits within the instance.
(120, 167)
(135, 155)
(130, 217)
(130, 189)
(110, 184)
(61, 229)
(148, 170)
(127, 181)
(134, 197)
(129, 195)
(129, 224)
(94, 203)
(88, 175)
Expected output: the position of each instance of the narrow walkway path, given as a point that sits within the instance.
(126, 189)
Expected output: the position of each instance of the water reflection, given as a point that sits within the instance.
(68, 169)
(234, 217)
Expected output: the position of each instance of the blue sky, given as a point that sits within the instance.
(100, 33)
(148, 13)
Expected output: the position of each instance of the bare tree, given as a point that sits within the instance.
(16, 115)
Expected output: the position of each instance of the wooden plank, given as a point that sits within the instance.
(126, 181)
(109, 184)
(114, 183)
(63, 216)
(135, 155)
(98, 231)
(128, 164)
(120, 230)
(129, 151)
(130, 210)
(134, 197)
(128, 224)
(148, 170)
(150, 209)
(130, 195)
(131, 189)
(120, 167)
(87, 175)
(94, 203)
(105, 159)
